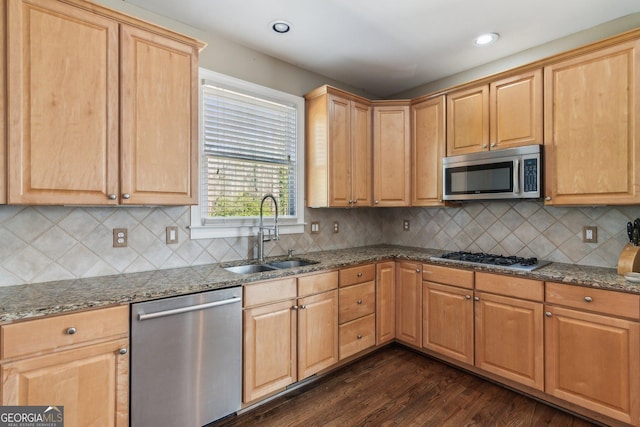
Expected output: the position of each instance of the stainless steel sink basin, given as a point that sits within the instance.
(250, 268)
(290, 263)
(275, 265)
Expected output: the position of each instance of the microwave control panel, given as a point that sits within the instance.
(530, 175)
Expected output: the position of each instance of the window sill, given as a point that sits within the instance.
(223, 231)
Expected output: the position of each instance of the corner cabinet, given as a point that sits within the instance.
(391, 154)
(591, 115)
(102, 108)
(409, 303)
(338, 149)
(79, 361)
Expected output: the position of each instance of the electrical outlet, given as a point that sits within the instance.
(119, 237)
(405, 225)
(336, 227)
(172, 235)
(590, 234)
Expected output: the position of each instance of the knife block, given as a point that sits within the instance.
(629, 259)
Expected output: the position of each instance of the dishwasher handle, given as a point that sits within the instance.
(143, 316)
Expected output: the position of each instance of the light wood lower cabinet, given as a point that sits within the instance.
(288, 338)
(409, 303)
(385, 302)
(86, 371)
(357, 297)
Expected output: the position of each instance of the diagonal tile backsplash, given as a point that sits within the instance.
(48, 243)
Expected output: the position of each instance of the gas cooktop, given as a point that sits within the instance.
(500, 261)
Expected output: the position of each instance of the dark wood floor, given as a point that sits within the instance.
(398, 387)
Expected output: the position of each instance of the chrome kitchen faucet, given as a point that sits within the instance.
(276, 233)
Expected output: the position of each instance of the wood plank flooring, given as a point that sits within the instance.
(398, 387)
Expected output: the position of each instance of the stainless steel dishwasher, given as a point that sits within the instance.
(186, 359)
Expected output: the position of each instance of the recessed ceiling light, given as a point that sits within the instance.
(486, 39)
(280, 27)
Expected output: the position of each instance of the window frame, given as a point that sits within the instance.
(248, 226)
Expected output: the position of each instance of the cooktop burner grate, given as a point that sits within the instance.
(479, 258)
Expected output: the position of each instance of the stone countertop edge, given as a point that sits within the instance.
(39, 299)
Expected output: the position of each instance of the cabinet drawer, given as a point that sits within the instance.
(510, 286)
(448, 276)
(602, 301)
(51, 333)
(270, 291)
(359, 274)
(357, 335)
(309, 285)
(357, 301)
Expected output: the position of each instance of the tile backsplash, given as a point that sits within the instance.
(47, 243)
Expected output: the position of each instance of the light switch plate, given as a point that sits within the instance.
(172, 235)
(315, 227)
(590, 234)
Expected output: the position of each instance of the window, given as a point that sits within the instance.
(251, 144)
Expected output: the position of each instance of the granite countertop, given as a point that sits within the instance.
(39, 299)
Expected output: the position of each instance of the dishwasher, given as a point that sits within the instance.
(186, 359)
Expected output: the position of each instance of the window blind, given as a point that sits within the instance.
(249, 151)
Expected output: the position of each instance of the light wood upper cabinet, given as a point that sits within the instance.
(81, 80)
(515, 111)
(409, 303)
(87, 372)
(428, 147)
(592, 148)
(159, 110)
(391, 155)
(338, 149)
(468, 120)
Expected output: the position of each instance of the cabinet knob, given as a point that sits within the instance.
(295, 307)
(355, 201)
(126, 196)
(417, 270)
(359, 336)
(123, 351)
(548, 198)
(71, 331)
(359, 302)
(350, 201)
(588, 299)
(493, 144)
(547, 313)
(484, 145)
(112, 197)
(476, 298)
(359, 275)
(303, 306)
(377, 201)
(467, 296)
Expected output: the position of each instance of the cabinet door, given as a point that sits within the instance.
(269, 349)
(92, 383)
(62, 106)
(448, 321)
(515, 105)
(317, 333)
(159, 104)
(509, 338)
(468, 121)
(408, 303)
(427, 150)
(591, 108)
(391, 156)
(592, 361)
(339, 180)
(361, 152)
(3, 110)
(385, 302)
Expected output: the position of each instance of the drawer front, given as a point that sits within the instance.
(510, 286)
(357, 336)
(51, 333)
(448, 276)
(270, 291)
(617, 304)
(359, 274)
(317, 283)
(357, 301)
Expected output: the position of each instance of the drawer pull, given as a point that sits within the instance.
(359, 274)
(547, 313)
(71, 331)
(588, 299)
(476, 298)
(467, 296)
(123, 351)
(294, 308)
(359, 301)
(359, 336)
(417, 270)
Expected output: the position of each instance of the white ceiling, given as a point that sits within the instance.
(384, 47)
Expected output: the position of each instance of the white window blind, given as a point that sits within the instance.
(249, 151)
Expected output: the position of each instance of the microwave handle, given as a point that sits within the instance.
(516, 176)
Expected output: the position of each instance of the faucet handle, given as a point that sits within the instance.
(290, 253)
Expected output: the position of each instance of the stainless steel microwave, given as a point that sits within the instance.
(512, 173)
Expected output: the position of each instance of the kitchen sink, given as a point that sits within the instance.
(274, 265)
(290, 263)
(250, 268)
